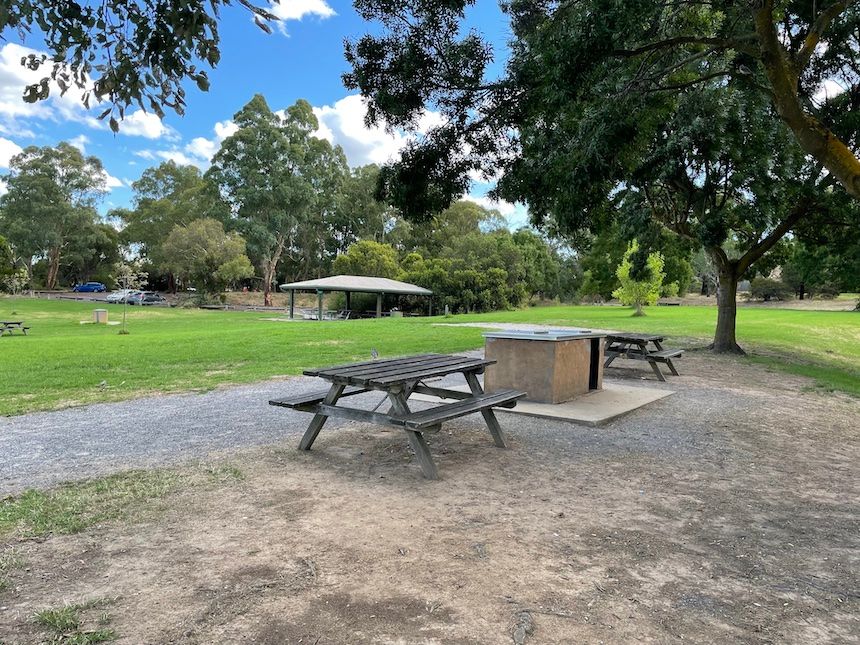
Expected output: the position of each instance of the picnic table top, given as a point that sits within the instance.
(12, 322)
(391, 373)
(631, 337)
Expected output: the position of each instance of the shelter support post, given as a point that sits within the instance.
(292, 303)
(349, 301)
(379, 305)
(319, 305)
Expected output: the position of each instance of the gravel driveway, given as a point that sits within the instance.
(45, 448)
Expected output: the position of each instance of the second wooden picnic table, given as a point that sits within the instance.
(398, 379)
(635, 346)
(9, 326)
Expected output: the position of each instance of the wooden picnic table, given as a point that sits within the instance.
(398, 379)
(9, 326)
(635, 346)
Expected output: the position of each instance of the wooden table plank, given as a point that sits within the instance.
(467, 365)
(359, 372)
(386, 361)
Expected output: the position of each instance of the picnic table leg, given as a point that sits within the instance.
(489, 415)
(319, 420)
(407, 392)
(657, 371)
(672, 367)
(416, 439)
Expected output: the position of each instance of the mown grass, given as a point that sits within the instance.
(67, 625)
(64, 363)
(74, 507)
(9, 560)
(71, 508)
(824, 345)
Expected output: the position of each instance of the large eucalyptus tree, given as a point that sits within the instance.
(280, 183)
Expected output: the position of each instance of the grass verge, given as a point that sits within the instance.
(76, 506)
(63, 363)
(70, 624)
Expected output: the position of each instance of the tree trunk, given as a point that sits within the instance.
(637, 309)
(727, 309)
(802, 291)
(270, 269)
(268, 278)
(53, 268)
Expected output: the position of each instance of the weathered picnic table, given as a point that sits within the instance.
(635, 346)
(398, 379)
(9, 326)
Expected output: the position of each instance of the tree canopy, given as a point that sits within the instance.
(50, 200)
(666, 115)
(123, 53)
(279, 182)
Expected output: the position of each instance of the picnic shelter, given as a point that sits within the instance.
(350, 284)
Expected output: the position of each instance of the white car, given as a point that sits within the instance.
(119, 296)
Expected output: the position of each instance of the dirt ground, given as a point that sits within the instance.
(727, 513)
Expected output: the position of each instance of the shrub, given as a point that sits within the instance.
(767, 289)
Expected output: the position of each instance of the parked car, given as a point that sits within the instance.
(89, 287)
(146, 298)
(120, 295)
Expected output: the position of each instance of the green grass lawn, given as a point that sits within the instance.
(65, 363)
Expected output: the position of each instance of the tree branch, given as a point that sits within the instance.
(819, 27)
(766, 244)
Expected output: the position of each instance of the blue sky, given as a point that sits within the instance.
(303, 58)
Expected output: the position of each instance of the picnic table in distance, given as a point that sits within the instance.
(398, 379)
(635, 346)
(10, 326)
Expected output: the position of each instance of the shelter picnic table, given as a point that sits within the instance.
(398, 379)
(635, 346)
(10, 326)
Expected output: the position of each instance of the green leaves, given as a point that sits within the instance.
(123, 52)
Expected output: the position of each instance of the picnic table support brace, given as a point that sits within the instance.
(319, 420)
(416, 439)
(489, 415)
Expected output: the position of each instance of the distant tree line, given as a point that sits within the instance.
(280, 204)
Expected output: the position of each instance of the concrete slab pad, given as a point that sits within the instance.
(593, 409)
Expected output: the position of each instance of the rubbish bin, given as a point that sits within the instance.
(100, 316)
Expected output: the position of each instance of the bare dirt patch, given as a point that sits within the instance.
(726, 513)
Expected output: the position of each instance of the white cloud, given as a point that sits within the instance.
(80, 142)
(8, 149)
(198, 152)
(224, 129)
(112, 182)
(14, 77)
(297, 9)
(343, 124)
(145, 124)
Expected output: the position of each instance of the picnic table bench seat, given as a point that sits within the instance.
(310, 399)
(422, 419)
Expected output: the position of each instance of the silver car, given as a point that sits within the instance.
(119, 296)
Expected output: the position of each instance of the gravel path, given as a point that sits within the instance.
(45, 448)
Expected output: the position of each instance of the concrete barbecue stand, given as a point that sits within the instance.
(551, 366)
